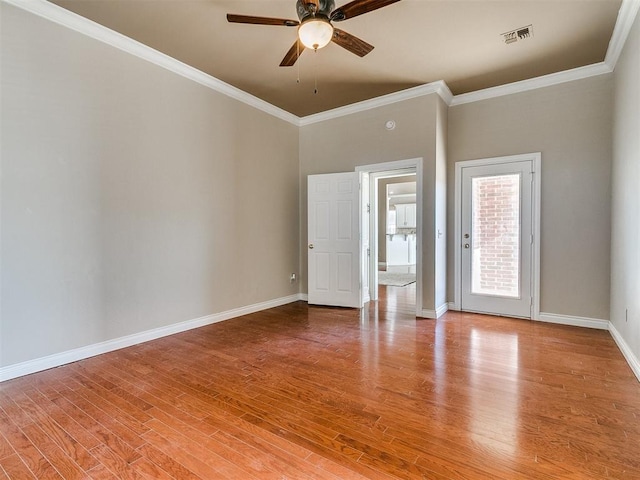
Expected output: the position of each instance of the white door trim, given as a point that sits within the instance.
(365, 238)
(536, 161)
(374, 229)
(413, 163)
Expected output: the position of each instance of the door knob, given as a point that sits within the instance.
(466, 235)
(311, 246)
(466, 245)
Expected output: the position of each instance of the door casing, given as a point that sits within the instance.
(413, 165)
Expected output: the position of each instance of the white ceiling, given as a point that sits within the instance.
(403, 188)
(416, 42)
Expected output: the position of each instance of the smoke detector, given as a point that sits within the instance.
(518, 34)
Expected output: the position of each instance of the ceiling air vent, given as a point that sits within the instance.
(518, 34)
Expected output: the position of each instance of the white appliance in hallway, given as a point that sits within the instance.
(401, 224)
(401, 249)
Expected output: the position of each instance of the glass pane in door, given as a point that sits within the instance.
(496, 235)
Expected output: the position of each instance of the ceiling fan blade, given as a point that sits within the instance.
(292, 55)
(261, 20)
(358, 7)
(351, 42)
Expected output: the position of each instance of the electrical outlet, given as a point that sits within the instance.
(292, 278)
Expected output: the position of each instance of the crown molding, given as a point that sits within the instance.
(626, 16)
(533, 83)
(439, 88)
(103, 34)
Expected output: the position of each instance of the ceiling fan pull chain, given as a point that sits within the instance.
(315, 28)
(298, 63)
(315, 72)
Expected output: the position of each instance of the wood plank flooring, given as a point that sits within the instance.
(300, 392)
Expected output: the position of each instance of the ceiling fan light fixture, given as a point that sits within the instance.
(315, 33)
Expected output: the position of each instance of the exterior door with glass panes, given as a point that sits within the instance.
(497, 239)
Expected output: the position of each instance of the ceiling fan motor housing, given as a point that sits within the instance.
(306, 8)
(315, 29)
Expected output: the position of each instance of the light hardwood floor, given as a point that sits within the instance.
(322, 393)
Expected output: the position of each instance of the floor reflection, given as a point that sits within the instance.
(506, 398)
(494, 378)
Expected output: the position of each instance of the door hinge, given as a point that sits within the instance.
(368, 208)
(368, 252)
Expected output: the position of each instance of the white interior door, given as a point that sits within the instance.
(497, 238)
(334, 240)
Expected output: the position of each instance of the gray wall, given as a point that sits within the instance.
(131, 198)
(341, 144)
(571, 125)
(625, 230)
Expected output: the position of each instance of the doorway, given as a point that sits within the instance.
(497, 235)
(397, 229)
(407, 237)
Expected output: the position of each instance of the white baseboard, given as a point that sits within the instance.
(631, 359)
(442, 309)
(560, 319)
(435, 314)
(573, 321)
(427, 314)
(58, 359)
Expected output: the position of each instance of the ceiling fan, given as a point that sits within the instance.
(315, 29)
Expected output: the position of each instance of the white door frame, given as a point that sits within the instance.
(374, 227)
(536, 162)
(365, 238)
(375, 170)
